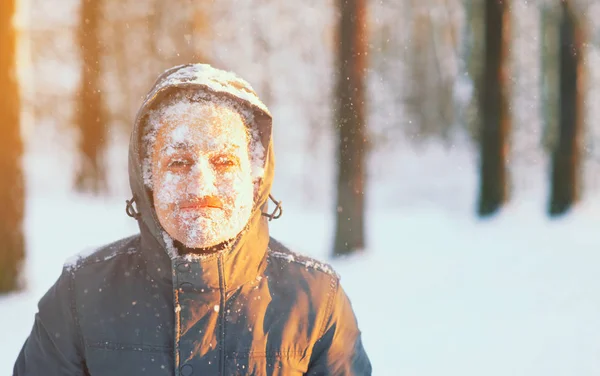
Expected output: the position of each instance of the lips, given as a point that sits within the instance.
(198, 207)
(203, 203)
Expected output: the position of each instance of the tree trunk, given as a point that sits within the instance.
(91, 176)
(494, 109)
(12, 201)
(350, 123)
(474, 46)
(567, 153)
(549, 65)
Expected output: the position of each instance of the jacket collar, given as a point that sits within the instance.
(229, 269)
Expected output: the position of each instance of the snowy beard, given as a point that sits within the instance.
(206, 227)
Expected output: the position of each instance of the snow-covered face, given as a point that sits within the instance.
(202, 175)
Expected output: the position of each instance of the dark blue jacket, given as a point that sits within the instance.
(134, 308)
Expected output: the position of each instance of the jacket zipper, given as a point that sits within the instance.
(177, 323)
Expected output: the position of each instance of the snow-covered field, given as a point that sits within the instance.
(436, 292)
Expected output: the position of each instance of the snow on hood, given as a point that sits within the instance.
(215, 80)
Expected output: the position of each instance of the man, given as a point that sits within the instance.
(203, 289)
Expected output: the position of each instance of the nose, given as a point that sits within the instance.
(201, 179)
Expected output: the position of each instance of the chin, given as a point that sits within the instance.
(206, 232)
(202, 242)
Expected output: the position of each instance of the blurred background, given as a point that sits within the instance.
(440, 154)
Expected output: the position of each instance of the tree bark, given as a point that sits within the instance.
(350, 124)
(495, 114)
(91, 176)
(549, 75)
(566, 159)
(12, 200)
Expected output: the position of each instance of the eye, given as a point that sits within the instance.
(224, 161)
(180, 163)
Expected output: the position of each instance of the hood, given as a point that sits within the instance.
(250, 246)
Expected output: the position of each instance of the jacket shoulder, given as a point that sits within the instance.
(280, 254)
(125, 246)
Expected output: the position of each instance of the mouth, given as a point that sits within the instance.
(198, 207)
(200, 204)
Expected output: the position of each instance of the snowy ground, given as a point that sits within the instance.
(437, 291)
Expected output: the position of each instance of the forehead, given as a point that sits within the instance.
(203, 125)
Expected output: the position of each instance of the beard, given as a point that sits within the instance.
(207, 227)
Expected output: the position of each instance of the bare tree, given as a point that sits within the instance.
(91, 117)
(12, 242)
(495, 115)
(549, 64)
(432, 66)
(350, 123)
(473, 47)
(566, 156)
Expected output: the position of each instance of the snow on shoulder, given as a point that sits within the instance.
(280, 252)
(104, 253)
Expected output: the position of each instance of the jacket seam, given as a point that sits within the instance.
(109, 345)
(75, 314)
(333, 287)
(266, 354)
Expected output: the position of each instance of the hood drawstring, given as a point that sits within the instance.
(277, 212)
(130, 210)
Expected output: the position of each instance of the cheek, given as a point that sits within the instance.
(168, 190)
(235, 188)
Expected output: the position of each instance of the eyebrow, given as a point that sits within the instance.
(177, 146)
(230, 148)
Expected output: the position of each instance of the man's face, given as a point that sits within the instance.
(202, 176)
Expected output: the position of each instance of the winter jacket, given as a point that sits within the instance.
(135, 308)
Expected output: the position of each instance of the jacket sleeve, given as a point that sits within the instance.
(54, 346)
(339, 351)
